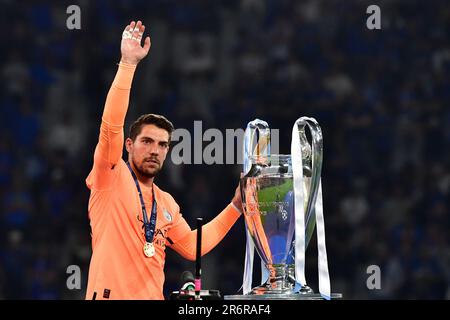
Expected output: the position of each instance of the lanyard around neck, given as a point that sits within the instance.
(149, 226)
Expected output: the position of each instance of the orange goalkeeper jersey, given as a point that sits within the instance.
(119, 269)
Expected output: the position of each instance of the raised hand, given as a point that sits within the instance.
(130, 47)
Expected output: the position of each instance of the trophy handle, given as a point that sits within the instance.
(314, 202)
(254, 146)
(312, 156)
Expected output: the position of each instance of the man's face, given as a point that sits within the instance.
(149, 150)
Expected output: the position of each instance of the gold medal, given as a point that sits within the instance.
(149, 249)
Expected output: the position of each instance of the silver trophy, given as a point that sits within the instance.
(277, 192)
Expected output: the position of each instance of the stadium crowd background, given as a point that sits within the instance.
(381, 97)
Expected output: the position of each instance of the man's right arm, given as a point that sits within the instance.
(110, 145)
(111, 138)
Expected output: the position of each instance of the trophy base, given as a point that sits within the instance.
(279, 288)
(292, 296)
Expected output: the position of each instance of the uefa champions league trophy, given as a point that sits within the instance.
(282, 204)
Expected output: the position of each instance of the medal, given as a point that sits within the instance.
(149, 249)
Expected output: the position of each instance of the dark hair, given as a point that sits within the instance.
(155, 119)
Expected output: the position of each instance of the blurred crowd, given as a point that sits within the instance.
(382, 98)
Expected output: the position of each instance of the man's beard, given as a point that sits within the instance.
(146, 172)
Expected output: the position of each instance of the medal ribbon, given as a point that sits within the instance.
(149, 226)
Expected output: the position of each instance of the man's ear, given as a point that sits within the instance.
(128, 144)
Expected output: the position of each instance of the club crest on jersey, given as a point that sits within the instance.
(167, 215)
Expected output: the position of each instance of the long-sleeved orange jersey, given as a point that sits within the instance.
(119, 269)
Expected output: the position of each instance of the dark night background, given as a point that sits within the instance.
(382, 99)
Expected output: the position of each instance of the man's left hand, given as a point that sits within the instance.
(237, 200)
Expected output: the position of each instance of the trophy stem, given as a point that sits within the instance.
(278, 282)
